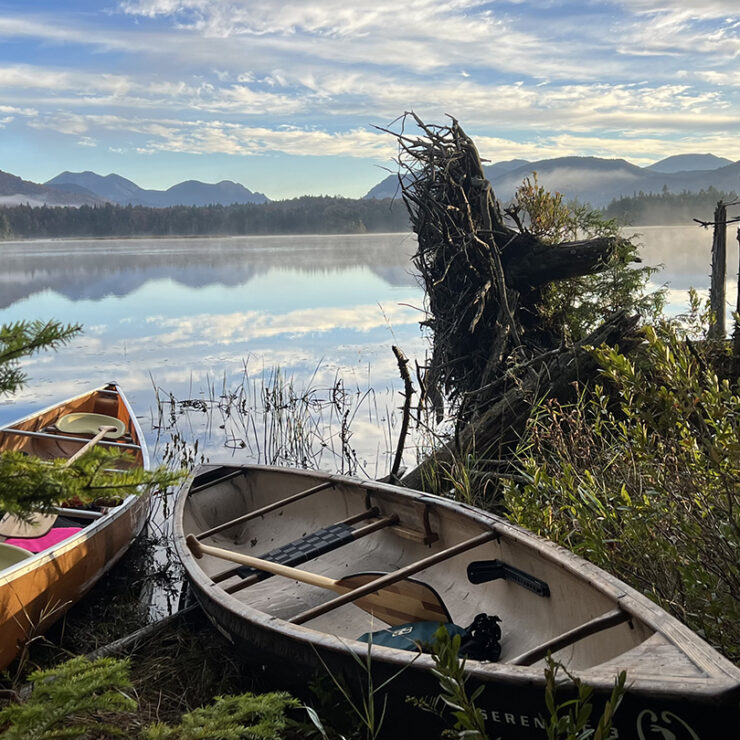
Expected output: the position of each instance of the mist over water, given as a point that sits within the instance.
(684, 255)
(194, 317)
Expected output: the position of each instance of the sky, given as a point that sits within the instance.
(287, 97)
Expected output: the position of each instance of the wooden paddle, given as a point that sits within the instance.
(399, 603)
(102, 431)
(37, 525)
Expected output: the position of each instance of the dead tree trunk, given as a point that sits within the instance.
(736, 334)
(719, 269)
(489, 358)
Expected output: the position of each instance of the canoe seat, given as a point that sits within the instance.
(304, 549)
(87, 423)
(10, 555)
(38, 544)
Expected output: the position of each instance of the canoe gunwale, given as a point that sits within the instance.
(720, 676)
(41, 558)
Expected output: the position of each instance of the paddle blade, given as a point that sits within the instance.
(37, 526)
(406, 601)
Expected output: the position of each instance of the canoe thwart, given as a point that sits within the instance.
(204, 481)
(78, 513)
(597, 624)
(396, 576)
(68, 438)
(483, 571)
(426, 537)
(272, 555)
(265, 509)
(395, 601)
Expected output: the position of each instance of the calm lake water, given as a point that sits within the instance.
(203, 318)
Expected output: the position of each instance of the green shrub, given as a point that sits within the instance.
(641, 477)
(245, 717)
(79, 698)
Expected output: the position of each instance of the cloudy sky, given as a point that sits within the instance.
(284, 96)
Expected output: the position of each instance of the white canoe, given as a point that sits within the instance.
(548, 599)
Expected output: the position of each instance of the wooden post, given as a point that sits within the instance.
(736, 336)
(719, 259)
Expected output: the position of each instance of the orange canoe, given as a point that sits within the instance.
(42, 575)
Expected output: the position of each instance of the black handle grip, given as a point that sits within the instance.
(483, 571)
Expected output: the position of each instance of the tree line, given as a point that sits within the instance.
(304, 215)
(647, 209)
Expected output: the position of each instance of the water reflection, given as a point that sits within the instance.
(94, 269)
(183, 316)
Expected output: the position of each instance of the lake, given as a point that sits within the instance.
(210, 319)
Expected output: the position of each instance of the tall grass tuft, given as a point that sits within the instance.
(271, 419)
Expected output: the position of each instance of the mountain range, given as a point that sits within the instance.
(89, 188)
(599, 181)
(591, 180)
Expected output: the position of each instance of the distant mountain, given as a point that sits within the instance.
(588, 179)
(388, 188)
(598, 181)
(15, 191)
(501, 168)
(119, 190)
(195, 193)
(114, 188)
(689, 163)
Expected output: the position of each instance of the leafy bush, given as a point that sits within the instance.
(578, 305)
(643, 480)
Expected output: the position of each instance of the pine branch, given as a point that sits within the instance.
(22, 339)
(70, 697)
(28, 484)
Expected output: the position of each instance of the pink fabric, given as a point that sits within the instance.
(52, 537)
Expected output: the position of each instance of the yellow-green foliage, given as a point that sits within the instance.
(646, 486)
(577, 305)
(245, 717)
(77, 699)
(93, 699)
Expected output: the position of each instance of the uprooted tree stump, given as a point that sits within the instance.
(490, 359)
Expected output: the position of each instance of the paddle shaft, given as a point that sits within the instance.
(312, 579)
(102, 431)
(397, 603)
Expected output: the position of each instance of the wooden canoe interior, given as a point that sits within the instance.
(107, 401)
(50, 443)
(527, 619)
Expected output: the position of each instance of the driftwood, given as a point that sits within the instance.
(490, 358)
(496, 431)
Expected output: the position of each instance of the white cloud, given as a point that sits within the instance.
(244, 78)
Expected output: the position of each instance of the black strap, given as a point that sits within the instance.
(304, 549)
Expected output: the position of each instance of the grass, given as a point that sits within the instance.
(271, 419)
